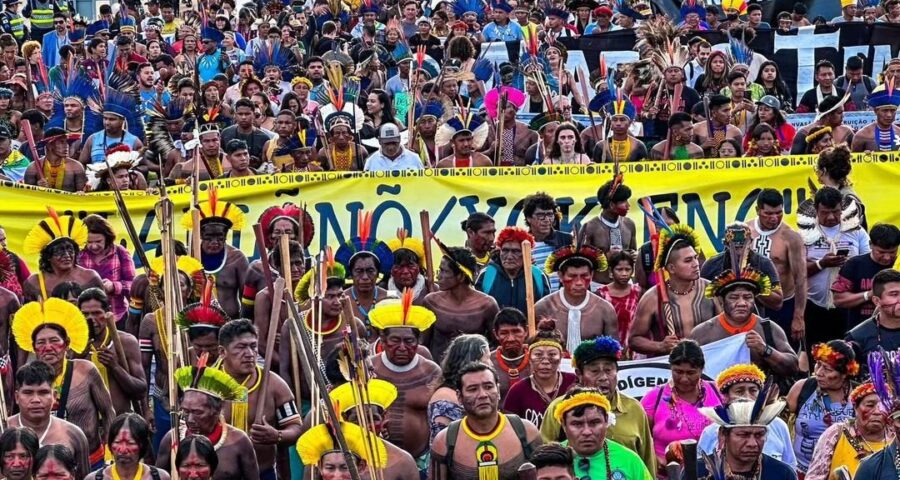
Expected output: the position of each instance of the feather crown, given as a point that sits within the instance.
(292, 213)
(749, 277)
(54, 228)
(404, 242)
(320, 440)
(214, 210)
(591, 397)
(747, 413)
(365, 243)
(671, 236)
(402, 314)
(602, 347)
(210, 381)
(379, 393)
(742, 373)
(52, 311)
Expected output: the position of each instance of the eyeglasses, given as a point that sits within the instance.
(544, 215)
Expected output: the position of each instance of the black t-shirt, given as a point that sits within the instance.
(255, 140)
(868, 336)
(810, 99)
(856, 276)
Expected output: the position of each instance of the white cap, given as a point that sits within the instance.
(388, 131)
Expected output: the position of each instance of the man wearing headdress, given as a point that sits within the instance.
(319, 451)
(226, 263)
(342, 153)
(275, 221)
(738, 249)
(280, 425)
(516, 137)
(211, 157)
(710, 133)
(400, 325)
(204, 391)
(262, 305)
(369, 11)
(465, 133)
(366, 260)
(115, 117)
(49, 330)
(585, 415)
(660, 323)
(742, 436)
(504, 277)
(579, 313)
(485, 443)
(881, 135)
(767, 342)
(57, 240)
(374, 401)
(502, 29)
(611, 231)
(621, 146)
(34, 397)
(407, 268)
(661, 106)
(596, 364)
(56, 170)
(830, 115)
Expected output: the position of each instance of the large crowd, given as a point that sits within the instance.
(372, 359)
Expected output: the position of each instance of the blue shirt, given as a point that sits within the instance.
(50, 48)
(509, 33)
(148, 97)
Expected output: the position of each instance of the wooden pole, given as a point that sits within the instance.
(270, 347)
(196, 250)
(426, 241)
(529, 287)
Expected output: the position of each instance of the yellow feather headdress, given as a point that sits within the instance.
(379, 393)
(214, 210)
(741, 373)
(402, 314)
(53, 228)
(584, 398)
(53, 311)
(404, 241)
(213, 382)
(319, 440)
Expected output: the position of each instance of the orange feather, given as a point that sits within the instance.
(406, 301)
(55, 216)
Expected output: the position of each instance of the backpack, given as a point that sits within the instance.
(514, 420)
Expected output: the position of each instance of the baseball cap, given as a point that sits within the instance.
(388, 131)
(770, 102)
(4, 132)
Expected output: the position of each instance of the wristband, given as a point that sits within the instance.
(819, 265)
(278, 441)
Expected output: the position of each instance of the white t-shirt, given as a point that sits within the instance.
(857, 241)
(407, 160)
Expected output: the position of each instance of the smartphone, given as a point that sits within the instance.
(843, 252)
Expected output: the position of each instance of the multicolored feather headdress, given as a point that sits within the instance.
(214, 210)
(365, 243)
(577, 250)
(292, 213)
(466, 121)
(119, 96)
(669, 237)
(332, 269)
(404, 242)
(205, 314)
(692, 6)
(747, 413)
(55, 228)
(71, 84)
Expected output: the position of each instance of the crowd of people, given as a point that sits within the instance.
(368, 359)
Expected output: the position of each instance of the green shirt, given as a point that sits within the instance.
(631, 428)
(625, 464)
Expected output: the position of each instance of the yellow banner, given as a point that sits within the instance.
(707, 194)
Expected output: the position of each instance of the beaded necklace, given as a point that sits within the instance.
(621, 149)
(882, 135)
(55, 174)
(512, 372)
(343, 160)
(486, 454)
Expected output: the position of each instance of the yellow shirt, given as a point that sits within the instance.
(846, 455)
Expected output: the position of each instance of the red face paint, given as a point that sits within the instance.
(194, 467)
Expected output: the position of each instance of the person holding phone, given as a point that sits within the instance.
(830, 227)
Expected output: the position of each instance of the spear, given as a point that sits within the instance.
(529, 286)
(663, 308)
(426, 240)
(126, 219)
(501, 113)
(25, 126)
(584, 93)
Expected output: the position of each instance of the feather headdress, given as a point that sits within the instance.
(214, 210)
(52, 311)
(576, 251)
(747, 413)
(884, 369)
(159, 140)
(404, 242)
(320, 440)
(466, 120)
(205, 314)
(274, 54)
(365, 243)
(210, 381)
(291, 213)
(402, 314)
(52, 229)
(121, 97)
(72, 84)
(671, 236)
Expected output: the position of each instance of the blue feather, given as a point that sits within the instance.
(654, 216)
(483, 69)
(761, 400)
(740, 51)
(461, 7)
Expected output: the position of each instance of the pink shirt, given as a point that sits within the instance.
(671, 423)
